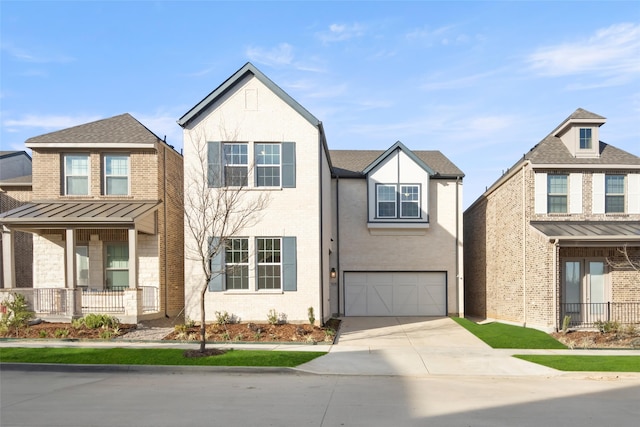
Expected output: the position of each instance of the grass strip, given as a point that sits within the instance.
(147, 356)
(585, 363)
(499, 335)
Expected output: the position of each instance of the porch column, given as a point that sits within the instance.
(70, 258)
(133, 257)
(8, 259)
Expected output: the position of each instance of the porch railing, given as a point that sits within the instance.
(107, 301)
(587, 315)
(150, 300)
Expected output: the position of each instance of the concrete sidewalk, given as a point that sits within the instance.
(396, 346)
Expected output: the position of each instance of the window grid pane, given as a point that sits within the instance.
(557, 193)
(237, 263)
(585, 139)
(614, 198)
(116, 175)
(117, 266)
(269, 268)
(236, 160)
(386, 201)
(77, 175)
(267, 165)
(409, 201)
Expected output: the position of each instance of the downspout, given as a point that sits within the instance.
(338, 275)
(166, 284)
(554, 284)
(458, 281)
(321, 216)
(524, 245)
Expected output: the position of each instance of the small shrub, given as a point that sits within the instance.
(95, 321)
(189, 323)
(239, 337)
(42, 334)
(272, 317)
(226, 336)
(565, 323)
(223, 318)
(60, 333)
(17, 312)
(312, 317)
(106, 334)
(606, 327)
(77, 323)
(181, 329)
(256, 336)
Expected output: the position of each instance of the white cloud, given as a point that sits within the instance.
(442, 35)
(46, 122)
(277, 56)
(341, 32)
(457, 83)
(25, 55)
(611, 51)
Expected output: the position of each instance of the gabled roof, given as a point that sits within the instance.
(8, 154)
(579, 116)
(397, 146)
(353, 163)
(230, 84)
(123, 130)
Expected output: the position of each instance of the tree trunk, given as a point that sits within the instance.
(202, 317)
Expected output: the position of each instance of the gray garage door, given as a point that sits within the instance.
(395, 294)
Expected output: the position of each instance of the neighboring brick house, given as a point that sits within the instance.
(344, 232)
(106, 220)
(15, 191)
(550, 238)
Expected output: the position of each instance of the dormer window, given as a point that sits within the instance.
(585, 139)
(388, 198)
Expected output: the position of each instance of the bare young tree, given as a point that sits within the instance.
(212, 217)
(624, 260)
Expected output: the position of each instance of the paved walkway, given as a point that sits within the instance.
(399, 346)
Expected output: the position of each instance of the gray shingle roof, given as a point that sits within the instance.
(551, 150)
(351, 163)
(118, 129)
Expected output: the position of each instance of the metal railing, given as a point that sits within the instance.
(587, 315)
(150, 301)
(50, 301)
(103, 301)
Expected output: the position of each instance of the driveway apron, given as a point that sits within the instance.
(415, 346)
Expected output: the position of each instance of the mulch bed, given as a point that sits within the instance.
(64, 331)
(595, 339)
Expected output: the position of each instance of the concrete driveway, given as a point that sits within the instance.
(410, 346)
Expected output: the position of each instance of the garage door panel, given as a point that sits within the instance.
(395, 294)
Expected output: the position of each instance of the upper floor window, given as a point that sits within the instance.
(237, 263)
(227, 164)
(614, 194)
(585, 139)
(557, 193)
(388, 197)
(267, 165)
(236, 165)
(116, 175)
(76, 174)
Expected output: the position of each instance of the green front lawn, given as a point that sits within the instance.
(499, 335)
(586, 363)
(146, 356)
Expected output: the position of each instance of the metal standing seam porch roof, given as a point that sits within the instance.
(589, 230)
(78, 214)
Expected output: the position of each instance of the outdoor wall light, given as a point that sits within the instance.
(333, 273)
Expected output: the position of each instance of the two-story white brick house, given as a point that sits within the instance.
(551, 237)
(344, 232)
(106, 220)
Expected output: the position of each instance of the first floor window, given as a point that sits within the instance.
(269, 263)
(117, 266)
(267, 165)
(116, 175)
(237, 263)
(82, 266)
(557, 193)
(235, 164)
(614, 194)
(76, 174)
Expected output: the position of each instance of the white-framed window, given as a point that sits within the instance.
(557, 191)
(236, 164)
(614, 194)
(76, 174)
(117, 265)
(82, 266)
(386, 198)
(237, 263)
(269, 263)
(116, 174)
(267, 165)
(409, 201)
(390, 196)
(586, 142)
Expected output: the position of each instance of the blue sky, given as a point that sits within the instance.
(483, 82)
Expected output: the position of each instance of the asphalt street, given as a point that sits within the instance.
(214, 398)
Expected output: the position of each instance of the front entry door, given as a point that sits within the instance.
(585, 292)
